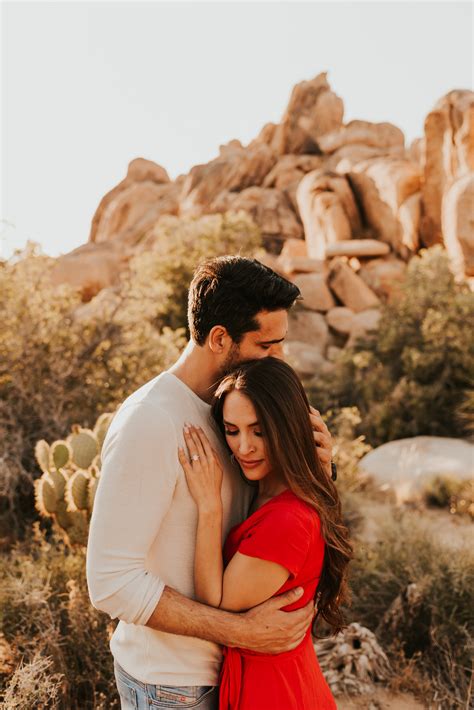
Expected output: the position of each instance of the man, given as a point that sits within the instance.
(142, 533)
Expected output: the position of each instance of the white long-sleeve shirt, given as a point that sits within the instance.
(143, 530)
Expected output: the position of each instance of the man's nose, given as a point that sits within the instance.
(277, 351)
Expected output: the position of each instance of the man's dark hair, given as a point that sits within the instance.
(230, 291)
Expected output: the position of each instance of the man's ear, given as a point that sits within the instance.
(218, 339)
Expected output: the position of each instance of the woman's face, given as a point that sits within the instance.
(244, 437)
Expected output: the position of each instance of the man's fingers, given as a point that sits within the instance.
(321, 439)
(317, 421)
(288, 597)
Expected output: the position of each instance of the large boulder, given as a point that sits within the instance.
(349, 287)
(112, 214)
(134, 210)
(407, 465)
(307, 360)
(312, 111)
(328, 211)
(90, 268)
(235, 169)
(448, 155)
(373, 135)
(382, 186)
(458, 224)
(341, 319)
(308, 327)
(290, 169)
(268, 207)
(357, 247)
(384, 276)
(362, 324)
(316, 295)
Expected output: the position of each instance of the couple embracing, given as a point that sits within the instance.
(216, 526)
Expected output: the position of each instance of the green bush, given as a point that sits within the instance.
(179, 245)
(414, 375)
(56, 640)
(63, 362)
(417, 592)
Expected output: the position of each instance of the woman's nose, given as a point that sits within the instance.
(245, 446)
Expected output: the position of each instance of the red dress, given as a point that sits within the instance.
(285, 530)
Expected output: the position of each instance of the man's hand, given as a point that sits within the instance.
(322, 439)
(267, 629)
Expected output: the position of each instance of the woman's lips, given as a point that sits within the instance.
(250, 464)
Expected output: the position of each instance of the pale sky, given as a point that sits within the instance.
(88, 86)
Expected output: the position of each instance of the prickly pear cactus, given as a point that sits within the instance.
(70, 475)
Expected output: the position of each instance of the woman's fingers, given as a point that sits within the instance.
(191, 444)
(183, 460)
(206, 445)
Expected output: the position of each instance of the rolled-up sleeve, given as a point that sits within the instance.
(137, 482)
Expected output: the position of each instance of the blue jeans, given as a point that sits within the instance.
(135, 695)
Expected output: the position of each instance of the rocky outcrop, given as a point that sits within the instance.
(318, 189)
(90, 268)
(270, 210)
(139, 171)
(328, 211)
(372, 135)
(383, 186)
(448, 155)
(235, 169)
(313, 111)
(457, 219)
(349, 287)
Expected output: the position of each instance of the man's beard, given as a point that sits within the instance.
(232, 361)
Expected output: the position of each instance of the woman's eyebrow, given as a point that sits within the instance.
(230, 424)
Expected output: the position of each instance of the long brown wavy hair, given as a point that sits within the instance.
(282, 410)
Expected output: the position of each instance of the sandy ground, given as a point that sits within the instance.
(380, 700)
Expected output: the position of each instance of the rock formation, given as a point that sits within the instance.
(341, 209)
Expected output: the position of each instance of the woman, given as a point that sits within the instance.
(294, 535)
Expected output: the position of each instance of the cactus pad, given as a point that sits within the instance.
(85, 447)
(101, 427)
(45, 495)
(76, 491)
(42, 455)
(60, 454)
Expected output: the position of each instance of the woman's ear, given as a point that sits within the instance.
(218, 340)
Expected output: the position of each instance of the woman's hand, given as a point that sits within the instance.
(202, 470)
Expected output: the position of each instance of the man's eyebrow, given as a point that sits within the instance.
(271, 342)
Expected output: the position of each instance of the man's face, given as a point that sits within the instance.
(265, 342)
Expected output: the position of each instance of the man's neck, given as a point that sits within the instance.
(195, 369)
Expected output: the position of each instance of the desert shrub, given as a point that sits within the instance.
(61, 363)
(64, 362)
(179, 244)
(418, 593)
(414, 375)
(57, 641)
(450, 493)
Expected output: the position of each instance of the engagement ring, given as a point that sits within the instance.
(195, 457)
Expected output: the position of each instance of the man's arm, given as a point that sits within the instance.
(138, 478)
(265, 628)
(128, 510)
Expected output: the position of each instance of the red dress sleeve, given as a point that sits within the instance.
(284, 534)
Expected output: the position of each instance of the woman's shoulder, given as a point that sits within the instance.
(289, 506)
